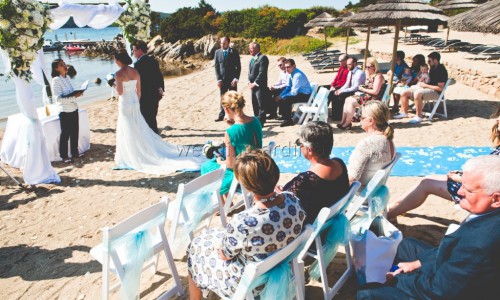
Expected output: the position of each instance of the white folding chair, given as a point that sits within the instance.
(379, 179)
(318, 108)
(196, 201)
(254, 270)
(314, 90)
(326, 214)
(117, 260)
(386, 98)
(441, 99)
(246, 196)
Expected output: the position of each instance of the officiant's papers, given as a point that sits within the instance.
(81, 90)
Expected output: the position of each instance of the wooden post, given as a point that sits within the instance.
(326, 47)
(447, 36)
(367, 43)
(406, 30)
(347, 40)
(394, 50)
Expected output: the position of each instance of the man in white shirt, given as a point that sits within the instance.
(355, 78)
(276, 89)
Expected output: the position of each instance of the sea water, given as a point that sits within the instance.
(87, 69)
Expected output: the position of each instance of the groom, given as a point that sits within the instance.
(152, 84)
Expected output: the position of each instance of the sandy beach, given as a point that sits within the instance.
(47, 236)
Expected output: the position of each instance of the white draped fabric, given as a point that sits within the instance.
(95, 16)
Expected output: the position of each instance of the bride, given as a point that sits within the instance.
(137, 146)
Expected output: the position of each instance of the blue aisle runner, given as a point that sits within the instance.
(414, 161)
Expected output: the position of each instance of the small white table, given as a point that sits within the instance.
(11, 149)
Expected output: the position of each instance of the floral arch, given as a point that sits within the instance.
(22, 26)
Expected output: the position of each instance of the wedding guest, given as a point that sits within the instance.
(218, 257)
(373, 89)
(297, 90)
(355, 78)
(417, 61)
(66, 100)
(465, 265)
(377, 149)
(325, 176)
(244, 131)
(227, 70)
(340, 78)
(257, 81)
(438, 185)
(276, 89)
(152, 84)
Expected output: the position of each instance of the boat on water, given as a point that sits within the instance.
(72, 47)
(48, 46)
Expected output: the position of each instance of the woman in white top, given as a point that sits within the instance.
(65, 97)
(377, 149)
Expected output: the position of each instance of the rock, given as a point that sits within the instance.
(97, 80)
(154, 42)
(207, 45)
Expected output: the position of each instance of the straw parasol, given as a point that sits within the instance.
(397, 13)
(323, 20)
(346, 23)
(485, 18)
(455, 4)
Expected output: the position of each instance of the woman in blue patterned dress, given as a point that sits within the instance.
(217, 258)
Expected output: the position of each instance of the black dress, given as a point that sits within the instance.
(315, 192)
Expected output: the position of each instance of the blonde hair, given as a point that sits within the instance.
(257, 172)
(380, 114)
(373, 61)
(234, 101)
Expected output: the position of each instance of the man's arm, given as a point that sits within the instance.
(358, 79)
(437, 88)
(237, 62)
(218, 75)
(264, 64)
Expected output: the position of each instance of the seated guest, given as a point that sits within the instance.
(298, 89)
(376, 150)
(438, 185)
(417, 61)
(243, 132)
(340, 78)
(373, 89)
(217, 258)
(326, 181)
(465, 265)
(355, 78)
(278, 88)
(424, 91)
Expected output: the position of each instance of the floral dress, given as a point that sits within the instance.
(251, 236)
(365, 97)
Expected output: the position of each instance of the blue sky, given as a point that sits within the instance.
(171, 6)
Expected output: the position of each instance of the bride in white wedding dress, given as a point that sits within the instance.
(137, 146)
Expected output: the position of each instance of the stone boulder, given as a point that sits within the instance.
(207, 45)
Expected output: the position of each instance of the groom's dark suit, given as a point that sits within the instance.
(227, 68)
(151, 82)
(258, 74)
(465, 265)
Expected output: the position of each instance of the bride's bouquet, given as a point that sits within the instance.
(214, 149)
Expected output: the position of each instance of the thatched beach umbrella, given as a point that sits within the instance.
(397, 13)
(324, 20)
(447, 5)
(485, 18)
(348, 24)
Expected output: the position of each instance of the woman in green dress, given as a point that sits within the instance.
(244, 132)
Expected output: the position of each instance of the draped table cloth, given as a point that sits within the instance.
(13, 148)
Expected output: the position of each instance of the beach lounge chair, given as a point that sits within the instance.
(435, 105)
(318, 110)
(254, 270)
(122, 252)
(320, 224)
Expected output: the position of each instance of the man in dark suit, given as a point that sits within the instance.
(257, 81)
(466, 264)
(227, 70)
(152, 84)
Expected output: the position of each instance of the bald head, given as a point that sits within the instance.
(343, 60)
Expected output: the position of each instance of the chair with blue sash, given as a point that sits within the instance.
(334, 224)
(196, 201)
(133, 245)
(280, 278)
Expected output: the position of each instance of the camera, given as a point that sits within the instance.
(214, 149)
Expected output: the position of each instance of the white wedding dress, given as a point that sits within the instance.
(140, 148)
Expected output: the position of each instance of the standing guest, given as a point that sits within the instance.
(340, 79)
(373, 90)
(297, 90)
(417, 61)
(424, 91)
(355, 78)
(377, 149)
(218, 257)
(278, 88)
(257, 81)
(244, 132)
(465, 265)
(325, 176)
(227, 70)
(152, 84)
(65, 97)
